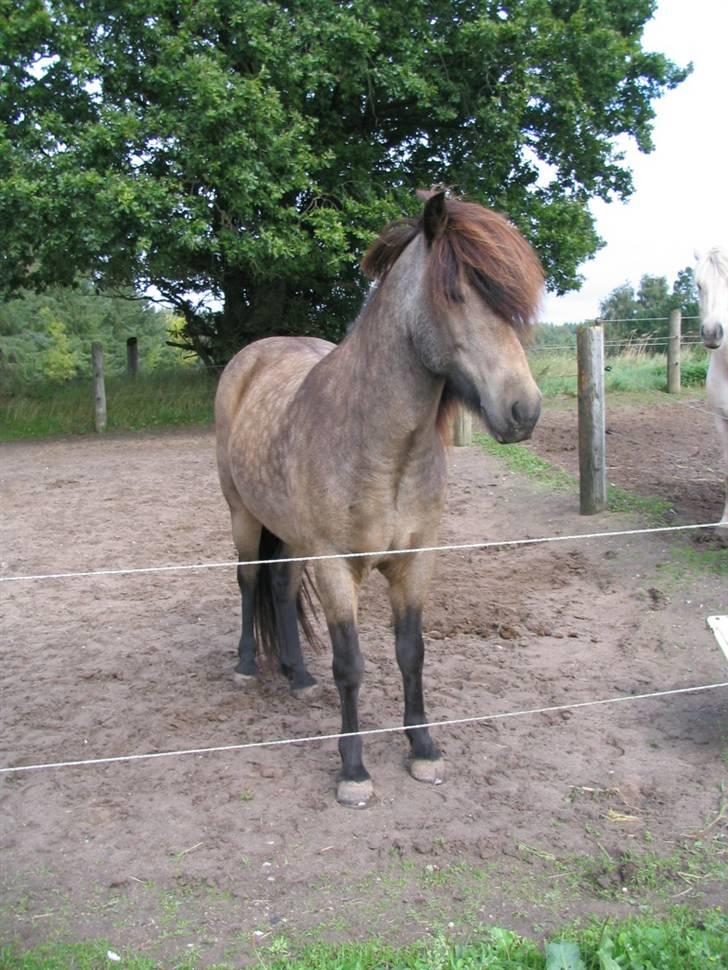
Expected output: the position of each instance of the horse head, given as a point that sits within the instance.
(711, 277)
(470, 286)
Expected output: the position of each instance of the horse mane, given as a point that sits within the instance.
(713, 263)
(478, 246)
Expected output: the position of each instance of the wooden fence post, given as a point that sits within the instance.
(592, 440)
(132, 356)
(97, 355)
(673, 353)
(462, 427)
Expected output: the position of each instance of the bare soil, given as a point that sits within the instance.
(667, 450)
(543, 818)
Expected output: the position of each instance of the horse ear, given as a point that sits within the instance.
(435, 216)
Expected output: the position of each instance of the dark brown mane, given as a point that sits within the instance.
(479, 247)
(388, 247)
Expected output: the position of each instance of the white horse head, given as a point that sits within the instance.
(711, 277)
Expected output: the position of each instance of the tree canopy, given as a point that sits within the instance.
(235, 157)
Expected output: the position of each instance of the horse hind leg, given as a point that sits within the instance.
(246, 532)
(286, 583)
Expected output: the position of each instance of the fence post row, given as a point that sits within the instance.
(97, 356)
(592, 440)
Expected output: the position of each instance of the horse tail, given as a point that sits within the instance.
(266, 627)
(266, 624)
(307, 602)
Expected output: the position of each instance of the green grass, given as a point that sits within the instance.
(519, 459)
(633, 370)
(183, 397)
(76, 956)
(162, 399)
(684, 941)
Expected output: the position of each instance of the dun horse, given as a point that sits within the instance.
(326, 449)
(711, 276)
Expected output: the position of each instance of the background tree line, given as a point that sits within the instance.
(49, 335)
(645, 311)
(237, 156)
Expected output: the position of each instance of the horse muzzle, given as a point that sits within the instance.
(712, 335)
(519, 424)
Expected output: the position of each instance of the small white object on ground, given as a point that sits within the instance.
(719, 626)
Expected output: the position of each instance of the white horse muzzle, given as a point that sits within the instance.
(712, 336)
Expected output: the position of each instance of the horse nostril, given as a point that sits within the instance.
(525, 414)
(712, 336)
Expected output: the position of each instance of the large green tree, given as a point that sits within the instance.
(235, 156)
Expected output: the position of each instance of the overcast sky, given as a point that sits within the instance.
(680, 201)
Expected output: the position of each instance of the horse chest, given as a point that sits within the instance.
(385, 509)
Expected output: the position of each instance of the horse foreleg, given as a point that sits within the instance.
(425, 763)
(337, 591)
(409, 578)
(286, 580)
(354, 787)
(722, 425)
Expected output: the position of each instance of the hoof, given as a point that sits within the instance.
(305, 693)
(244, 680)
(354, 794)
(427, 769)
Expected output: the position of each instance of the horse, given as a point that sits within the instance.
(330, 450)
(711, 277)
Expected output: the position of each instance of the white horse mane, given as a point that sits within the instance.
(711, 278)
(712, 264)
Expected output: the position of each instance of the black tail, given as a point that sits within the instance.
(266, 626)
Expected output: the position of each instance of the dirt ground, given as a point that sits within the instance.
(669, 451)
(542, 819)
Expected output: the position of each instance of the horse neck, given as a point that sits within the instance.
(399, 396)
